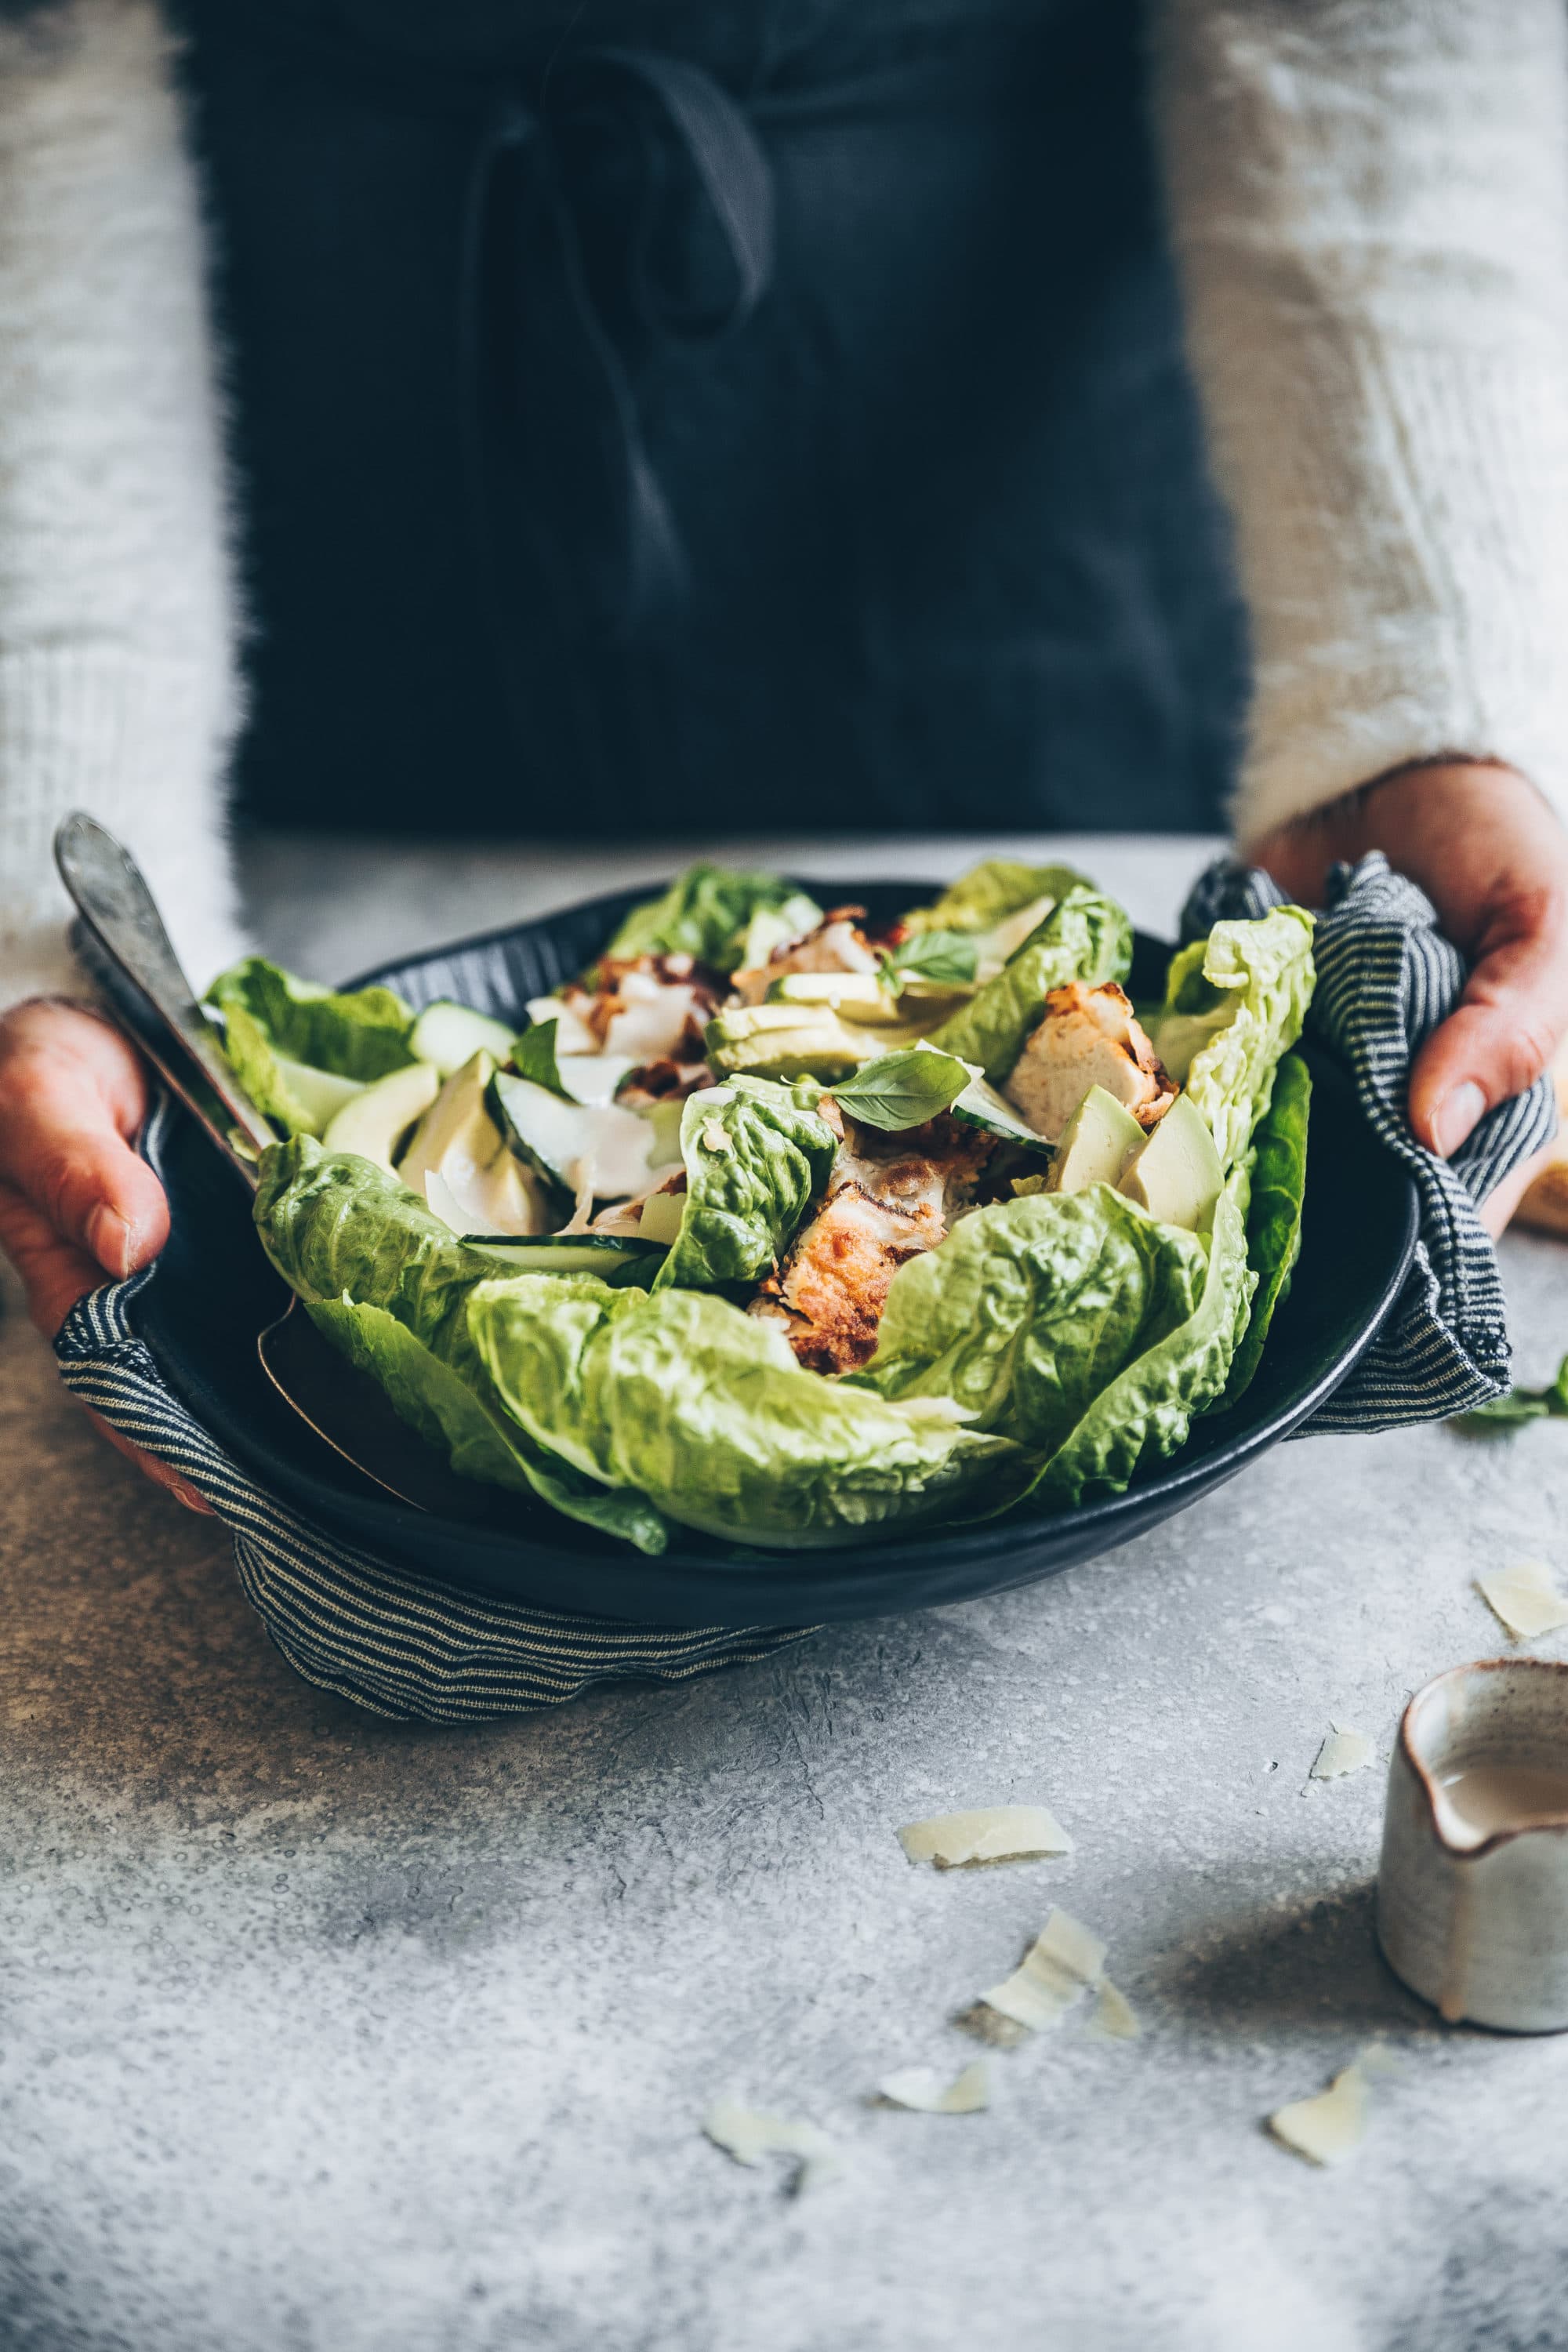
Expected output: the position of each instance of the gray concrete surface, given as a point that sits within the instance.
(318, 2033)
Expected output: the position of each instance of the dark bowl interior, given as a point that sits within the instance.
(213, 1291)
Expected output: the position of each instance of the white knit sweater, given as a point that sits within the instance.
(1368, 200)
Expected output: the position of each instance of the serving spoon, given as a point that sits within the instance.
(123, 942)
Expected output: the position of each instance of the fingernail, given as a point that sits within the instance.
(1455, 1115)
(112, 1240)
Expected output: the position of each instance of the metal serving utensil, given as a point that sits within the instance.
(124, 943)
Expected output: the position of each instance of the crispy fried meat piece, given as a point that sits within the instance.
(1089, 1037)
(888, 1198)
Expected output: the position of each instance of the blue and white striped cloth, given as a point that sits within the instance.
(1387, 977)
(403, 1644)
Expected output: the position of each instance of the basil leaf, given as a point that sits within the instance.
(533, 1057)
(1519, 1405)
(903, 1089)
(953, 956)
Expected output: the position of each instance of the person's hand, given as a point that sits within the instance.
(1493, 859)
(76, 1201)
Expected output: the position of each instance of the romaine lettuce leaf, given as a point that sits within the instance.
(1145, 1412)
(370, 1263)
(1032, 1307)
(271, 1018)
(755, 1158)
(1234, 1003)
(1087, 936)
(990, 892)
(707, 912)
(1274, 1220)
(705, 1410)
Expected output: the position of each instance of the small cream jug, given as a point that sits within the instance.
(1472, 1890)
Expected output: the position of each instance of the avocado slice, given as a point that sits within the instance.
(455, 1120)
(319, 1094)
(1097, 1143)
(786, 1042)
(375, 1119)
(1177, 1175)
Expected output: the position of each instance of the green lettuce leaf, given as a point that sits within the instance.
(1032, 1307)
(1234, 1003)
(992, 892)
(1274, 1220)
(1087, 936)
(271, 1018)
(1145, 1412)
(704, 1410)
(389, 1285)
(756, 1157)
(707, 912)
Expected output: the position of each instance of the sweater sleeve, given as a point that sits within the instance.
(1368, 204)
(116, 683)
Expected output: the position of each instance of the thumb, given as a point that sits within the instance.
(72, 1098)
(1503, 1034)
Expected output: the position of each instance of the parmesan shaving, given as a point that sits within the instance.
(1342, 1751)
(922, 2089)
(1063, 1963)
(1525, 1599)
(749, 2135)
(717, 1137)
(1114, 2015)
(1327, 2128)
(993, 1833)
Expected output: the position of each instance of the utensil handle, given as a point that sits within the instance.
(120, 911)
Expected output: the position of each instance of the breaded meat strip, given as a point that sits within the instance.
(1089, 1037)
(888, 1198)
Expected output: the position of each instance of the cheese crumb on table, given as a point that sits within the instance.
(991, 1834)
(1114, 2016)
(922, 2089)
(748, 2135)
(1064, 1962)
(1525, 1599)
(1342, 1751)
(1327, 2128)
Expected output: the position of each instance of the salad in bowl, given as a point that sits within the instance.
(795, 1229)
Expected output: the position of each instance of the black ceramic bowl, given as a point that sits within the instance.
(213, 1291)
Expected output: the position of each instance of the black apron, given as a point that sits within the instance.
(655, 417)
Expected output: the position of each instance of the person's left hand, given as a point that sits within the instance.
(1493, 859)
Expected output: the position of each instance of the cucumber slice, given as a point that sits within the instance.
(604, 1255)
(449, 1035)
(570, 1143)
(860, 994)
(379, 1116)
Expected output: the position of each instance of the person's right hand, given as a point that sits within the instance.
(77, 1202)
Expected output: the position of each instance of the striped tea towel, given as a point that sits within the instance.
(1387, 977)
(403, 1644)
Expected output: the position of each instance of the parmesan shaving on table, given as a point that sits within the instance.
(1064, 1962)
(1326, 2129)
(1114, 2016)
(749, 2135)
(922, 2089)
(1525, 1599)
(992, 1833)
(1342, 1751)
